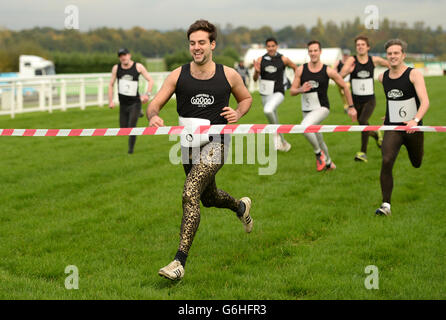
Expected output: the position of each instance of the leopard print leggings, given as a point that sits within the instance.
(200, 185)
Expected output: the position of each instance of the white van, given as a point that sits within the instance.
(31, 66)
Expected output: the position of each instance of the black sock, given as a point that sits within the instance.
(318, 154)
(181, 256)
(241, 209)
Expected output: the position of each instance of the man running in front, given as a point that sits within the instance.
(202, 89)
(406, 104)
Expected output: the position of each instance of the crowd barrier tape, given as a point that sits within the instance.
(242, 129)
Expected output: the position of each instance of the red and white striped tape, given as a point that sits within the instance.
(213, 129)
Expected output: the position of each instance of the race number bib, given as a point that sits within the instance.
(403, 110)
(266, 87)
(188, 138)
(127, 87)
(362, 87)
(310, 101)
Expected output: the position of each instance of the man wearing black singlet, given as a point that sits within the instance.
(127, 73)
(202, 90)
(311, 82)
(406, 104)
(361, 70)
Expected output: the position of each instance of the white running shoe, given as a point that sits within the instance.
(246, 218)
(173, 271)
(384, 210)
(285, 146)
(277, 142)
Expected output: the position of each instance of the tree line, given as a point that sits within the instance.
(49, 42)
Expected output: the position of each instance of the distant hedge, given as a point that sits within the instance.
(79, 62)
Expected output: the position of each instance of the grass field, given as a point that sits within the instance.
(84, 201)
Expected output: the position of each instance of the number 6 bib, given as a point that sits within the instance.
(402, 110)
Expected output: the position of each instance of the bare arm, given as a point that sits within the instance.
(289, 63)
(296, 87)
(257, 69)
(336, 77)
(420, 87)
(348, 67)
(141, 69)
(241, 94)
(111, 104)
(161, 98)
(380, 61)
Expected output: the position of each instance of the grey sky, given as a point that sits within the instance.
(170, 14)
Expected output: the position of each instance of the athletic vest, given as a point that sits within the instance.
(317, 96)
(402, 101)
(272, 69)
(203, 99)
(340, 65)
(128, 84)
(362, 82)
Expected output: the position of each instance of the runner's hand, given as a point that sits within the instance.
(156, 122)
(410, 124)
(230, 114)
(352, 114)
(306, 87)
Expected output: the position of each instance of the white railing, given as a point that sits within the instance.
(60, 92)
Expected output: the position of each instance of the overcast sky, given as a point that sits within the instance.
(171, 14)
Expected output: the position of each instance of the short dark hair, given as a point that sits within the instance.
(363, 38)
(314, 42)
(271, 39)
(203, 25)
(398, 42)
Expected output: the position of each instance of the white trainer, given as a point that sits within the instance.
(285, 146)
(173, 271)
(384, 210)
(277, 142)
(246, 218)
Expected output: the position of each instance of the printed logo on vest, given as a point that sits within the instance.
(202, 100)
(314, 84)
(395, 93)
(363, 74)
(271, 69)
(127, 77)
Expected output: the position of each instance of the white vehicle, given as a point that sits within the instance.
(30, 66)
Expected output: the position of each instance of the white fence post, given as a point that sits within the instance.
(42, 96)
(101, 92)
(50, 96)
(12, 101)
(19, 97)
(63, 95)
(82, 94)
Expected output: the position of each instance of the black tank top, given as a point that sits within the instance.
(402, 101)
(319, 82)
(360, 74)
(203, 99)
(128, 84)
(272, 68)
(340, 65)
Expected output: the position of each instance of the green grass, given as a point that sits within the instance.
(83, 201)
